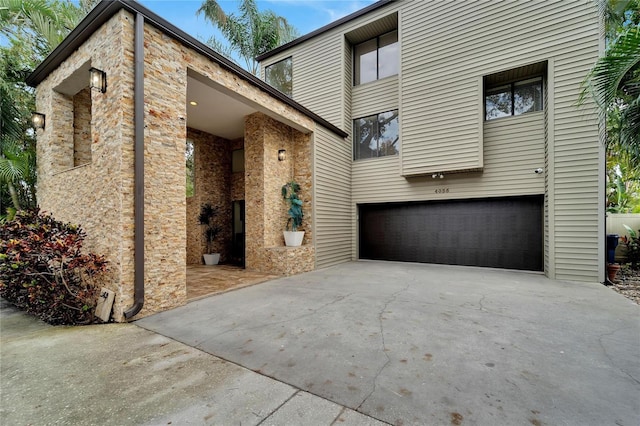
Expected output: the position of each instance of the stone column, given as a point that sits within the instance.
(266, 212)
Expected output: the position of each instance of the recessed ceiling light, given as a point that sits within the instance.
(194, 103)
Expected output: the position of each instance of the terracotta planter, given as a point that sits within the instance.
(612, 271)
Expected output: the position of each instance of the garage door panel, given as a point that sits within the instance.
(503, 232)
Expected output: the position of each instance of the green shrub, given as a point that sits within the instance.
(633, 247)
(43, 269)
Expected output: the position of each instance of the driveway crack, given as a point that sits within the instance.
(391, 299)
(613, 363)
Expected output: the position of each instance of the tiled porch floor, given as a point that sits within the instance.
(203, 280)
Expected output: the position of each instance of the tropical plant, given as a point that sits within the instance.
(44, 271)
(250, 33)
(41, 24)
(206, 218)
(290, 195)
(614, 84)
(17, 141)
(632, 242)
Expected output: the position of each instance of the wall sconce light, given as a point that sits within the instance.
(98, 79)
(282, 155)
(38, 120)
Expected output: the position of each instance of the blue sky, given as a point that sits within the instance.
(305, 15)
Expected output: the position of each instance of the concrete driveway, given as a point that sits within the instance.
(430, 344)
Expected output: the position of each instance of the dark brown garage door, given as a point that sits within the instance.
(497, 232)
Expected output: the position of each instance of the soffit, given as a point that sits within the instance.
(373, 29)
(216, 112)
(77, 81)
(516, 74)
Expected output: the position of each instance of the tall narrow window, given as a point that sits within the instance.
(376, 135)
(280, 76)
(189, 156)
(376, 58)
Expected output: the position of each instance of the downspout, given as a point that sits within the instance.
(138, 200)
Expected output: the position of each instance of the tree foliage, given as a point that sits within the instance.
(250, 33)
(614, 84)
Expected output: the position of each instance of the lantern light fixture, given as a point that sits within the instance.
(282, 155)
(38, 120)
(98, 79)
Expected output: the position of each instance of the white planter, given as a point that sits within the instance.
(293, 239)
(211, 259)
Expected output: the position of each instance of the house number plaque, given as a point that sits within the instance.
(442, 190)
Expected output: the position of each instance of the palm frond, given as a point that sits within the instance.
(630, 131)
(12, 168)
(606, 76)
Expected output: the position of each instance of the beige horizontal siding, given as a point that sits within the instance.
(332, 174)
(375, 97)
(346, 84)
(439, 89)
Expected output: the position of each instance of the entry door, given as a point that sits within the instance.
(237, 247)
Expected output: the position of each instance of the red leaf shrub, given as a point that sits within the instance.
(43, 269)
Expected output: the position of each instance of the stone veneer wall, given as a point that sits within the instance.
(100, 195)
(165, 88)
(266, 211)
(82, 127)
(212, 155)
(93, 195)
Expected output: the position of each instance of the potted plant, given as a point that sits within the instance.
(293, 237)
(211, 231)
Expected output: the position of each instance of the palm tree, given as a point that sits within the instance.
(249, 34)
(614, 83)
(41, 23)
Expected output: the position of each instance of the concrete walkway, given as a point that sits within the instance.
(358, 344)
(121, 374)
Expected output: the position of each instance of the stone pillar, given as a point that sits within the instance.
(266, 212)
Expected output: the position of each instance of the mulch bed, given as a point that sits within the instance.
(627, 283)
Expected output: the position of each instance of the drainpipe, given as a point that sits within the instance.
(138, 120)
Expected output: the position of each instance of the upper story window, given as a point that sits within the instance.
(376, 58)
(376, 135)
(280, 76)
(514, 98)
